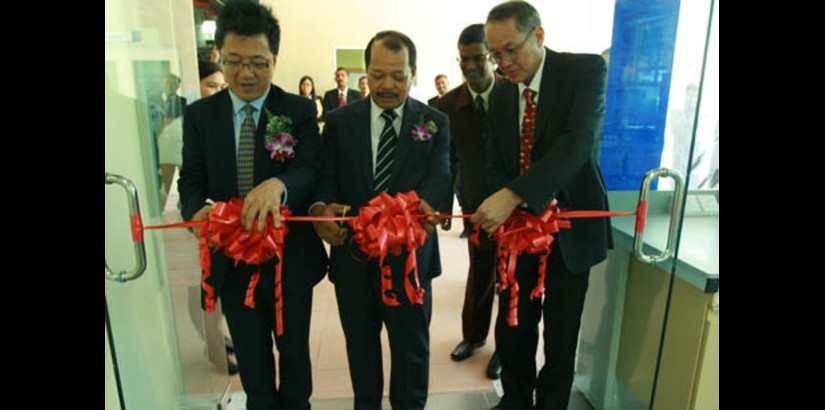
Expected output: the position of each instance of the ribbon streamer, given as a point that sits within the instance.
(383, 227)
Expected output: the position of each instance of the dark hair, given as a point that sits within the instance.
(207, 68)
(306, 77)
(472, 34)
(342, 68)
(245, 18)
(393, 40)
(439, 76)
(363, 77)
(526, 15)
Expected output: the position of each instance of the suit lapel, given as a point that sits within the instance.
(411, 113)
(225, 140)
(262, 163)
(362, 135)
(551, 80)
(511, 136)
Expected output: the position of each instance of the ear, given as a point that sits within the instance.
(539, 33)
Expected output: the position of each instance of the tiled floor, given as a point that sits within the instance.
(466, 381)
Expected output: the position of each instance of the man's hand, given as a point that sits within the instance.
(446, 224)
(430, 222)
(331, 232)
(260, 201)
(495, 209)
(202, 214)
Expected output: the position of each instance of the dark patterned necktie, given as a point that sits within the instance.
(528, 130)
(386, 151)
(246, 149)
(480, 111)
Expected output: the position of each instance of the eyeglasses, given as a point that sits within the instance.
(510, 53)
(479, 59)
(237, 65)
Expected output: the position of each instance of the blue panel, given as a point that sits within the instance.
(638, 85)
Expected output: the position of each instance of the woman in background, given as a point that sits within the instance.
(307, 89)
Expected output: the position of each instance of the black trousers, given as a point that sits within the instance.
(480, 290)
(362, 314)
(562, 309)
(252, 331)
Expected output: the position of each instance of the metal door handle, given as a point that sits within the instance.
(644, 191)
(137, 231)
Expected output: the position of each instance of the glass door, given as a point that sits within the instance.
(161, 351)
(650, 327)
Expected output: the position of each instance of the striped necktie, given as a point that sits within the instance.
(246, 149)
(386, 151)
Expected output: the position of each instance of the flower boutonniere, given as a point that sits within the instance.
(278, 139)
(424, 130)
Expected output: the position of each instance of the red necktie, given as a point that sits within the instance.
(528, 129)
(341, 101)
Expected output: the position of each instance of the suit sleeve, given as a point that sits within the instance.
(327, 189)
(435, 188)
(495, 167)
(301, 172)
(447, 206)
(192, 182)
(550, 173)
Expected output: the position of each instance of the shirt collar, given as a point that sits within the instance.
(375, 110)
(535, 84)
(484, 94)
(238, 104)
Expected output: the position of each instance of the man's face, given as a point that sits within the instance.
(341, 79)
(442, 85)
(248, 65)
(212, 84)
(389, 75)
(362, 84)
(474, 64)
(170, 85)
(518, 54)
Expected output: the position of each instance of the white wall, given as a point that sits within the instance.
(311, 30)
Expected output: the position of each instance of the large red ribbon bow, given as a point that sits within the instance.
(223, 230)
(383, 227)
(525, 232)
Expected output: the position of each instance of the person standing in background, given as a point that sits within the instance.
(341, 95)
(364, 86)
(467, 105)
(307, 89)
(442, 85)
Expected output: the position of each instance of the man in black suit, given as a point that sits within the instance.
(342, 95)
(466, 105)
(171, 102)
(558, 100)
(442, 85)
(369, 147)
(223, 157)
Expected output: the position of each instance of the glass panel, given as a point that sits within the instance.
(161, 358)
(654, 92)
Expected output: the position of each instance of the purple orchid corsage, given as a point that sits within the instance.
(424, 130)
(278, 139)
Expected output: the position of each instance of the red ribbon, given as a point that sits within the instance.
(383, 227)
(525, 232)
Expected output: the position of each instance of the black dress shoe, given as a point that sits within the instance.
(494, 367)
(230, 348)
(465, 349)
(232, 367)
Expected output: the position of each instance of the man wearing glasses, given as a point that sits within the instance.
(467, 105)
(541, 131)
(224, 156)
